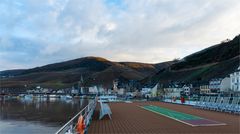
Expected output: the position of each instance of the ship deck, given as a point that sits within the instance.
(129, 118)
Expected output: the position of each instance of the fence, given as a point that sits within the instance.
(86, 112)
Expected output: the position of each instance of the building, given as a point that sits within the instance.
(215, 85)
(93, 90)
(195, 90)
(74, 91)
(115, 85)
(151, 92)
(121, 91)
(204, 89)
(187, 89)
(96, 90)
(145, 90)
(225, 85)
(235, 80)
(173, 90)
(154, 91)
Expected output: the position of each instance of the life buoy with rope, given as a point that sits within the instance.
(80, 125)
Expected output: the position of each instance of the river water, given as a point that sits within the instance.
(36, 116)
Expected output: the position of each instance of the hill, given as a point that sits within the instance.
(94, 70)
(10, 73)
(217, 61)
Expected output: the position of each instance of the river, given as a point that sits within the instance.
(36, 116)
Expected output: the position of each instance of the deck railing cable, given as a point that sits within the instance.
(86, 112)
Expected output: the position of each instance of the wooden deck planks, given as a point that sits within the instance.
(128, 118)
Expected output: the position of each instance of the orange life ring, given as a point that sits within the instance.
(80, 125)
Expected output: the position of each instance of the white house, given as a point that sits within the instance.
(74, 91)
(204, 89)
(173, 91)
(121, 91)
(93, 90)
(214, 85)
(145, 90)
(45, 90)
(225, 85)
(187, 89)
(101, 89)
(235, 80)
(152, 92)
(96, 90)
(60, 91)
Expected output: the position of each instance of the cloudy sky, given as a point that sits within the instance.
(39, 32)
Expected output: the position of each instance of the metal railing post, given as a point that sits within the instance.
(86, 112)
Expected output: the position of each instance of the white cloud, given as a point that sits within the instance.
(129, 30)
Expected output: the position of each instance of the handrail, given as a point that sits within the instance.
(88, 111)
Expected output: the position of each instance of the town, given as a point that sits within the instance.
(228, 86)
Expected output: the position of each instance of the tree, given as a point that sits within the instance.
(176, 59)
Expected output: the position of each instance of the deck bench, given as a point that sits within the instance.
(104, 110)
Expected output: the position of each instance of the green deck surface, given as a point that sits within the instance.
(171, 113)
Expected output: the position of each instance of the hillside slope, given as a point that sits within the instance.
(217, 61)
(94, 70)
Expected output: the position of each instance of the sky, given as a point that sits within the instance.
(38, 32)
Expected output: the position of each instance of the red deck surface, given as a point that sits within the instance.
(128, 118)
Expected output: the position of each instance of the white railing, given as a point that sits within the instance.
(86, 112)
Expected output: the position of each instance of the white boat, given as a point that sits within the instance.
(28, 97)
(44, 96)
(66, 97)
(21, 95)
(107, 98)
(53, 96)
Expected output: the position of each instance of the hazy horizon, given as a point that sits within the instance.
(36, 33)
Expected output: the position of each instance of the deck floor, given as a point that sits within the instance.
(129, 118)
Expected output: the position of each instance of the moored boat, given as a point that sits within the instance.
(107, 98)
